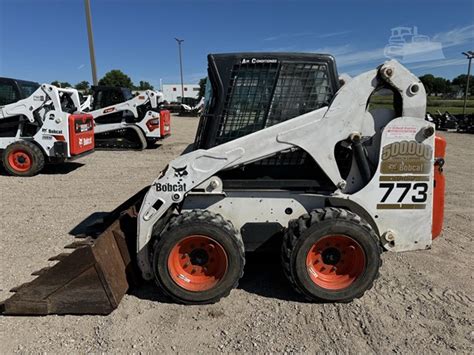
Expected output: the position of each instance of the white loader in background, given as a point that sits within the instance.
(41, 124)
(124, 121)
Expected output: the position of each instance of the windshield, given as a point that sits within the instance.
(28, 88)
(127, 94)
(207, 94)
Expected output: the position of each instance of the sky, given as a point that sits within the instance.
(46, 40)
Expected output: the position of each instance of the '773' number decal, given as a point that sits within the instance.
(419, 191)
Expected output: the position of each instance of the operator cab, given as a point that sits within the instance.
(105, 96)
(13, 90)
(247, 92)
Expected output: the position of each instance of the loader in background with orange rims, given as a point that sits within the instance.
(41, 124)
(285, 156)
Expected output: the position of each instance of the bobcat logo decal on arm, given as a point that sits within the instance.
(180, 172)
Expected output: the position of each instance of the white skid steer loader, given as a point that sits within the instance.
(41, 124)
(292, 158)
(124, 121)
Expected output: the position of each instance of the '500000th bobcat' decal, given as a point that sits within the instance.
(404, 175)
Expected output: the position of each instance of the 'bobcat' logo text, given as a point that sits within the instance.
(170, 187)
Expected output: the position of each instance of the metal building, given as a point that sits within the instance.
(172, 92)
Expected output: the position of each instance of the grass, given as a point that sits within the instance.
(455, 110)
(453, 106)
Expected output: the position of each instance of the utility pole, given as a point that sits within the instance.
(90, 35)
(469, 55)
(181, 67)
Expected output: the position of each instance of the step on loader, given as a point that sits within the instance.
(286, 156)
(124, 121)
(41, 124)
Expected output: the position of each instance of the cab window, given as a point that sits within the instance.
(28, 88)
(8, 93)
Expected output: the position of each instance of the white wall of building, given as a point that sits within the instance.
(171, 92)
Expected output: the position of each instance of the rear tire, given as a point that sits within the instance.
(23, 158)
(199, 258)
(331, 255)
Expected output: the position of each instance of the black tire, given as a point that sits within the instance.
(23, 158)
(219, 231)
(307, 232)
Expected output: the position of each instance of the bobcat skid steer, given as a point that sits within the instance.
(39, 124)
(124, 121)
(284, 155)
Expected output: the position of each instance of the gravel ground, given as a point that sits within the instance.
(423, 300)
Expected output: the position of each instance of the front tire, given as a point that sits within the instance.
(331, 255)
(199, 258)
(23, 158)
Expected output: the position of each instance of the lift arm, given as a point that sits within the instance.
(43, 96)
(153, 97)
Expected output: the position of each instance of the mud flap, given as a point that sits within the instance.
(92, 279)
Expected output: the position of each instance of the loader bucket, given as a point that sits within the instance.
(90, 280)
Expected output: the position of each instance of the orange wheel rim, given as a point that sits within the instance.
(20, 160)
(335, 262)
(197, 263)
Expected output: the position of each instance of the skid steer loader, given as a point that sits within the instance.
(291, 158)
(40, 124)
(124, 121)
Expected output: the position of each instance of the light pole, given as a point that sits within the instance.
(90, 35)
(469, 55)
(181, 67)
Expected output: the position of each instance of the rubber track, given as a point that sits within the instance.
(298, 226)
(113, 143)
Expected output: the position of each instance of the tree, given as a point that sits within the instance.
(440, 86)
(116, 77)
(202, 88)
(61, 84)
(83, 85)
(145, 85)
(461, 80)
(428, 82)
